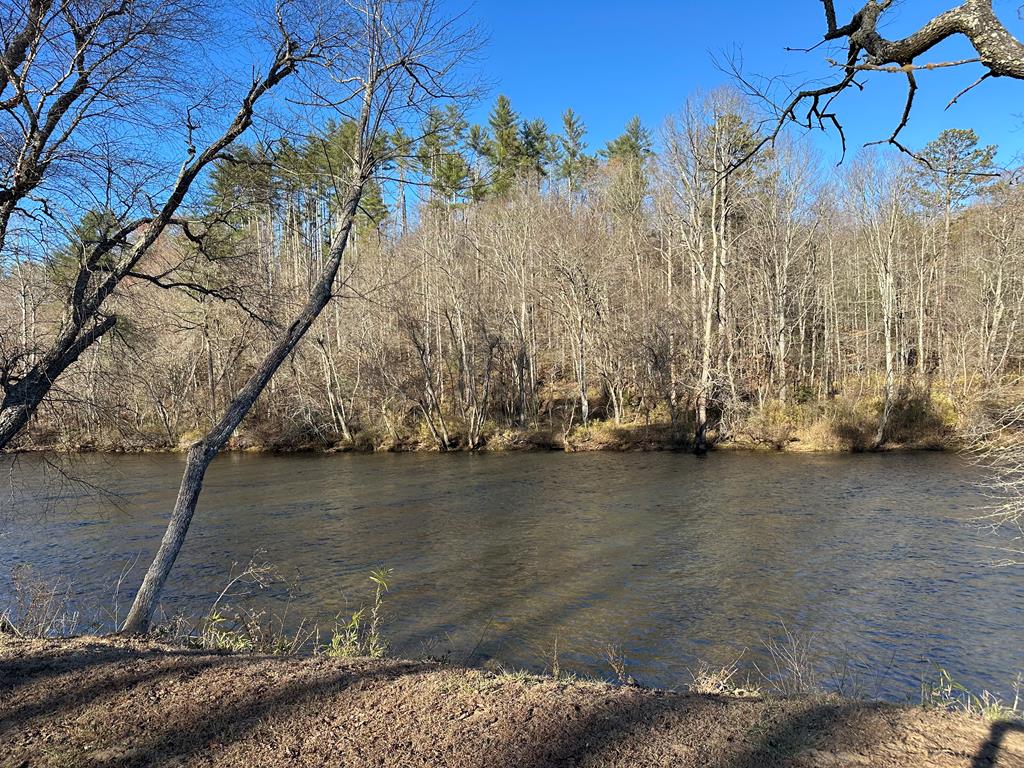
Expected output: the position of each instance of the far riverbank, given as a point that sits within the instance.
(595, 437)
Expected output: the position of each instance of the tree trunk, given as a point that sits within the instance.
(203, 452)
(22, 399)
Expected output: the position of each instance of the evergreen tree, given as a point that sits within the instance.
(631, 148)
(95, 227)
(243, 189)
(440, 155)
(539, 150)
(627, 157)
(575, 165)
(327, 157)
(504, 150)
(477, 143)
(244, 182)
(373, 211)
(953, 169)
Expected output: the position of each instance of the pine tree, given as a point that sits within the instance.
(244, 182)
(504, 150)
(329, 157)
(954, 169)
(539, 150)
(576, 165)
(477, 143)
(633, 146)
(242, 190)
(373, 210)
(441, 157)
(627, 158)
(95, 226)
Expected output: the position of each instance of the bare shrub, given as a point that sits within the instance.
(617, 661)
(41, 608)
(996, 445)
(794, 664)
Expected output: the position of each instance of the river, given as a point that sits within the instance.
(672, 559)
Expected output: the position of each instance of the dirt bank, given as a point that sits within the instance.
(609, 441)
(89, 702)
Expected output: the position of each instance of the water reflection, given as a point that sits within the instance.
(670, 558)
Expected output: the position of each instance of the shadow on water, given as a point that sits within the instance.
(674, 560)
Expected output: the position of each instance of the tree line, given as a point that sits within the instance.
(504, 280)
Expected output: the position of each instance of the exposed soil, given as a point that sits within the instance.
(633, 443)
(97, 702)
(818, 436)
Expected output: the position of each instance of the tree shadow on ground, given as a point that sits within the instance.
(822, 726)
(182, 739)
(624, 727)
(68, 699)
(48, 689)
(987, 756)
(601, 730)
(88, 675)
(607, 735)
(20, 671)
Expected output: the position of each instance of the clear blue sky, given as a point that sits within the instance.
(612, 60)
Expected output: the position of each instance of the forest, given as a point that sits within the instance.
(509, 286)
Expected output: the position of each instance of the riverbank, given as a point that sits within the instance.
(518, 445)
(103, 702)
(840, 425)
(598, 436)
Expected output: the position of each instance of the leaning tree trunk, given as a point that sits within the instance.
(203, 452)
(23, 398)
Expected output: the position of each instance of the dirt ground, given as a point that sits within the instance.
(97, 702)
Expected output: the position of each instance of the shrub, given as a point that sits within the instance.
(360, 635)
(711, 680)
(942, 691)
(41, 608)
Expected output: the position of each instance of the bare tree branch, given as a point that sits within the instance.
(999, 52)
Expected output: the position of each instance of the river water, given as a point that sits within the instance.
(507, 557)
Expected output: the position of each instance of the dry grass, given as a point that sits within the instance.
(119, 703)
(711, 680)
(918, 420)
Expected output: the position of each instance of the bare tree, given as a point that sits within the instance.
(702, 146)
(998, 449)
(774, 304)
(66, 69)
(67, 72)
(389, 58)
(879, 192)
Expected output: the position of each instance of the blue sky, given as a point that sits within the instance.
(612, 60)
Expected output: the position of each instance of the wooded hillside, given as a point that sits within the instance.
(508, 284)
